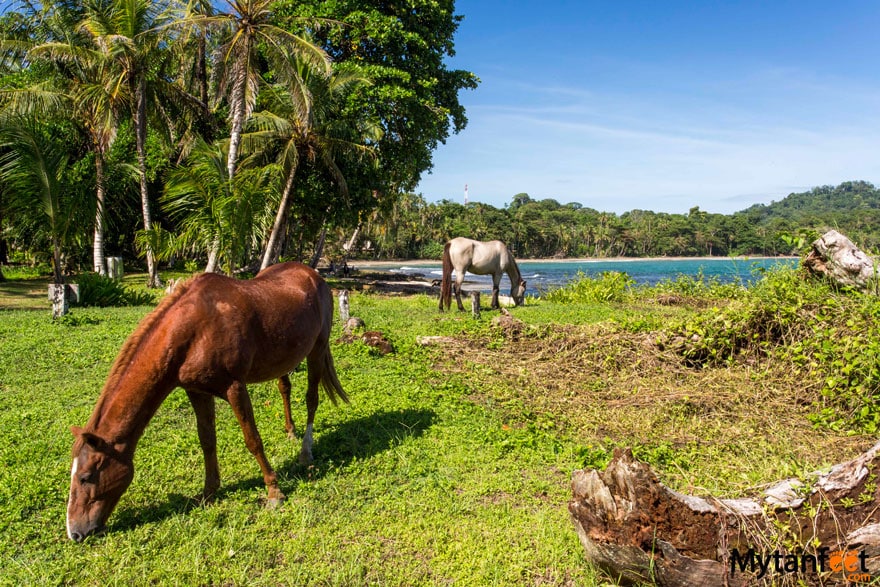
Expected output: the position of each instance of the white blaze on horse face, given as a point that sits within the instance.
(73, 470)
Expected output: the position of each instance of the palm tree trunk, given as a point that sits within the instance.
(270, 256)
(56, 261)
(347, 246)
(141, 140)
(213, 256)
(319, 248)
(98, 247)
(238, 105)
(201, 71)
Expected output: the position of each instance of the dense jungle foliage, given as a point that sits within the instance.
(169, 132)
(546, 228)
(229, 134)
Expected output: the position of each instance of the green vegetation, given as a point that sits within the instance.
(290, 130)
(546, 228)
(172, 128)
(452, 463)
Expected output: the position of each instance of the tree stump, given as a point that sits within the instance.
(835, 257)
(638, 530)
(61, 294)
(475, 304)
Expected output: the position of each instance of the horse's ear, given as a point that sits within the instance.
(94, 441)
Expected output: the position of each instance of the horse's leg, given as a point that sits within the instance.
(459, 278)
(240, 402)
(284, 388)
(496, 286)
(203, 404)
(316, 366)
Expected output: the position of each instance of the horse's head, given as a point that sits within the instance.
(518, 293)
(98, 478)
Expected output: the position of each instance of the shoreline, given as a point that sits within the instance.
(367, 264)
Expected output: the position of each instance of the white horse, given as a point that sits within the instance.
(493, 257)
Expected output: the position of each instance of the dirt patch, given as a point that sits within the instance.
(607, 388)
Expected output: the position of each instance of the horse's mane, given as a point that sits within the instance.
(513, 267)
(131, 344)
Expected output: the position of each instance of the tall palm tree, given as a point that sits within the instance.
(94, 98)
(302, 123)
(248, 32)
(131, 33)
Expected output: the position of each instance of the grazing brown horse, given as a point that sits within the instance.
(211, 336)
(493, 257)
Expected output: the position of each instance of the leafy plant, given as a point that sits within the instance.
(611, 286)
(101, 291)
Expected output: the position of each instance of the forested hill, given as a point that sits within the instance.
(826, 203)
(546, 228)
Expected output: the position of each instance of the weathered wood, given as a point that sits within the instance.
(475, 304)
(638, 530)
(835, 257)
(344, 306)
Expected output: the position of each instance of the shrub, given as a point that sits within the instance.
(610, 286)
(830, 338)
(101, 291)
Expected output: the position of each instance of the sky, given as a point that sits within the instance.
(662, 105)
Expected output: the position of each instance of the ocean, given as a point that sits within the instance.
(543, 276)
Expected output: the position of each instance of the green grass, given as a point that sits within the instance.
(450, 466)
(413, 484)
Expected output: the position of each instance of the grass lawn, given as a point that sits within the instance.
(451, 466)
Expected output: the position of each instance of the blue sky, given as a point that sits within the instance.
(662, 105)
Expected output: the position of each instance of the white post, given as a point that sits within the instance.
(114, 267)
(343, 306)
(61, 295)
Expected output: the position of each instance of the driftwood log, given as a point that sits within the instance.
(835, 257)
(822, 531)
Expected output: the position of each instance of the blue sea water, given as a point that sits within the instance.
(543, 276)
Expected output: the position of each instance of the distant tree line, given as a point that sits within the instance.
(414, 228)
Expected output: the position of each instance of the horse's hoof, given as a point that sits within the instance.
(274, 502)
(203, 499)
(305, 458)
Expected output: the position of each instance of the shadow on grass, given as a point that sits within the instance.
(25, 294)
(353, 440)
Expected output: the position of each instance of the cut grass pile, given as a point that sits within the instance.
(450, 466)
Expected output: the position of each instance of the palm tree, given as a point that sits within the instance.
(209, 210)
(33, 166)
(131, 33)
(249, 31)
(95, 101)
(302, 124)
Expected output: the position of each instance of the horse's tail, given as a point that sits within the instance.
(446, 282)
(323, 359)
(330, 381)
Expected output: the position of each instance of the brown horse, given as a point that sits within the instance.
(493, 257)
(211, 336)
